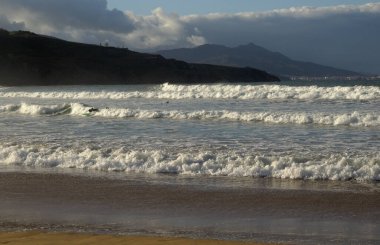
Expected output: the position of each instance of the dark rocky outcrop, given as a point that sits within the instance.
(30, 59)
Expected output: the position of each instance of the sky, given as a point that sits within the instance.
(340, 33)
(186, 7)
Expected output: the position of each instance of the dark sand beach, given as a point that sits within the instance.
(254, 210)
(74, 238)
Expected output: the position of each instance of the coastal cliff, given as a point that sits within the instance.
(30, 59)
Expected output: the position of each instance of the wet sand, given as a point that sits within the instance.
(260, 210)
(26, 238)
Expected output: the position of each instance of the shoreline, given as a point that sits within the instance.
(255, 210)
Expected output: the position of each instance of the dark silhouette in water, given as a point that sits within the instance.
(93, 110)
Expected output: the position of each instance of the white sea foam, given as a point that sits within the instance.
(217, 91)
(31, 109)
(274, 92)
(332, 166)
(77, 109)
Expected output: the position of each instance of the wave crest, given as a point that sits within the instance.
(77, 109)
(217, 91)
(334, 166)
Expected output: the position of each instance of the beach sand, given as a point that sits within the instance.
(26, 238)
(249, 210)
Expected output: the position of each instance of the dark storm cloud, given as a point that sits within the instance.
(78, 14)
(341, 36)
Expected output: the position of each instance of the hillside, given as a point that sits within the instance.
(30, 59)
(252, 55)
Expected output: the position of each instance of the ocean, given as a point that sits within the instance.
(246, 130)
(318, 133)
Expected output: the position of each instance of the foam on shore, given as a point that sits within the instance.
(314, 166)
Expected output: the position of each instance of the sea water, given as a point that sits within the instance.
(288, 130)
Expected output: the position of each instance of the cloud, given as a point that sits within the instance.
(68, 18)
(196, 40)
(293, 12)
(81, 14)
(10, 25)
(91, 21)
(344, 36)
(160, 30)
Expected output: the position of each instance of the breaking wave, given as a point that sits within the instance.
(77, 109)
(333, 166)
(217, 91)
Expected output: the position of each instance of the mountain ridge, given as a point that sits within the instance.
(251, 55)
(27, 58)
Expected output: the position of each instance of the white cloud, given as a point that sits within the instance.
(161, 29)
(91, 21)
(293, 12)
(196, 40)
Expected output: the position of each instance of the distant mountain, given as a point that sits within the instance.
(251, 55)
(30, 59)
